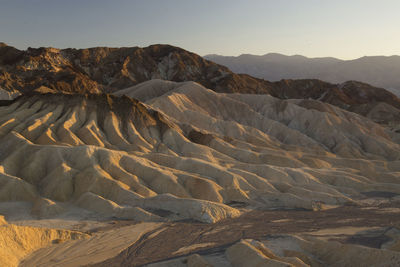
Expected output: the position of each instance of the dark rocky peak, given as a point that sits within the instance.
(105, 70)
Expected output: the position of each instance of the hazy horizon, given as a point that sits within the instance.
(294, 55)
(340, 29)
(210, 54)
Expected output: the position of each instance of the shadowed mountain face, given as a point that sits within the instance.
(180, 156)
(376, 70)
(187, 149)
(105, 69)
(136, 165)
(102, 69)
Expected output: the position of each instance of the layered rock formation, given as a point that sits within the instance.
(190, 160)
(90, 152)
(18, 241)
(187, 152)
(105, 70)
(289, 251)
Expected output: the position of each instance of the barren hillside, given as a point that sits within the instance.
(154, 156)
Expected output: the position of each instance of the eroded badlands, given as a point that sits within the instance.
(184, 152)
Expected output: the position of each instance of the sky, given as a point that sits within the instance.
(345, 29)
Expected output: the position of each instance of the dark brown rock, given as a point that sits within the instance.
(105, 70)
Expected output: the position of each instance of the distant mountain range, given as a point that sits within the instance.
(108, 153)
(378, 71)
(106, 70)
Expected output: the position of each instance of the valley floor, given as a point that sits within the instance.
(175, 174)
(371, 225)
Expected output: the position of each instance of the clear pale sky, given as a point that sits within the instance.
(315, 28)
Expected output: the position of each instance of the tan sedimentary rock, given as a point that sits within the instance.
(18, 241)
(244, 254)
(188, 153)
(322, 253)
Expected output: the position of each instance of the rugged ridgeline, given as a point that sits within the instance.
(103, 69)
(188, 153)
(137, 164)
(380, 71)
(106, 70)
(185, 152)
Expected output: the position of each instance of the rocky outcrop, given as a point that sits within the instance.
(105, 70)
(187, 152)
(16, 242)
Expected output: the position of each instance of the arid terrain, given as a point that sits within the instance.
(381, 71)
(155, 156)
